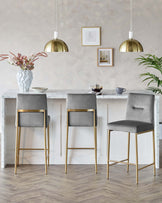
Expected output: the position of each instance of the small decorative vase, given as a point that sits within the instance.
(24, 79)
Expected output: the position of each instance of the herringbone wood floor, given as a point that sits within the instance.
(81, 184)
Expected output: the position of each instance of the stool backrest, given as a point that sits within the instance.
(140, 107)
(31, 102)
(81, 101)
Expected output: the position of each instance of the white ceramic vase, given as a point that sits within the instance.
(24, 79)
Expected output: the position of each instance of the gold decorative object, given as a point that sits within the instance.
(56, 45)
(131, 45)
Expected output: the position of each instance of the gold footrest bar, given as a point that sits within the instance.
(79, 148)
(145, 132)
(122, 161)
(145, 166)
(32, 149)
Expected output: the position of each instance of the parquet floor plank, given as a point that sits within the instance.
(80, 185)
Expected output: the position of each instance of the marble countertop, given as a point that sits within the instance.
(62, 94)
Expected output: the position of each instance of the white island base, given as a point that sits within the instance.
(110, 107)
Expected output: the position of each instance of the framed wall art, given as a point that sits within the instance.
(105, 57)
(91, 36)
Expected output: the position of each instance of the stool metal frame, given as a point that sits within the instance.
(95, 135)
(126, 161)
(18, 136)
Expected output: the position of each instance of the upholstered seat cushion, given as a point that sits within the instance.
(32, 120)
(130, 126)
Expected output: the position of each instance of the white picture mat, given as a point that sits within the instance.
(91, 36)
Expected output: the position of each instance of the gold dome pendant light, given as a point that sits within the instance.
(131, 45)
(56, 45)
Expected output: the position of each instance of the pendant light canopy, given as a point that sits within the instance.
(131, 45)
(56, 45)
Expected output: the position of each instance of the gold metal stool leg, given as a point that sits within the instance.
(19, 144)
(45, 149)
(108, 153)
(153, 136)
(66, 148)
(16, 148)
(95, 141)
(128, 151)
(136, 141)
(48, 143)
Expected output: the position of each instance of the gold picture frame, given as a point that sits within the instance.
(91, 36)
(105, 57)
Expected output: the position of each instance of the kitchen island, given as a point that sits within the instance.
(110, 107)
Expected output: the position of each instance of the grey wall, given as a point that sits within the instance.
(26, 25)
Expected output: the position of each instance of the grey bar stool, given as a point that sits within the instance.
(139, 120)
(81, 112)
(32, 112)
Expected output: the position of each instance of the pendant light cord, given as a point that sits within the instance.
(131, 15)
(56, 15)
(56, 20)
